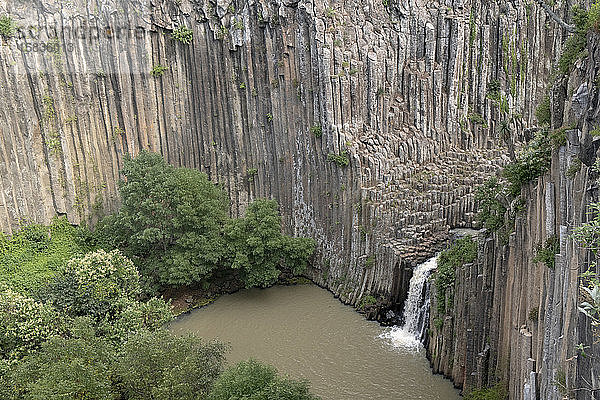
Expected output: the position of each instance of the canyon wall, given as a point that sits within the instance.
(400, 87)
(515, 320)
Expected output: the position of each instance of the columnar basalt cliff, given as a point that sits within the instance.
(515, 319)
(401, 88)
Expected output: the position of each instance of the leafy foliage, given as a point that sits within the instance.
(317, 130)
(174, 224)
(490, 210)
(35, 253)
(160, 366)
(341, 160)
(158, 70)
(170, 221)
(253, 380)
(463, 251)
(547, 253)
(183, 34)
(150, 365)
(105, 287)
(8, 27)
(257, 247)
(26, 324)
(533, 161)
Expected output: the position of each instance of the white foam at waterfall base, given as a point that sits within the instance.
(408, 337)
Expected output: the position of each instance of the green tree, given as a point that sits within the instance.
(64, 368)
(258, 249)
(170, 221)
(24, 325)
(105, 286)
(255, 381)
(161, 366)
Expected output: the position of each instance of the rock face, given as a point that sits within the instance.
(402, 89)
(514, 319)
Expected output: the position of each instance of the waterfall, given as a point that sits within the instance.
(416, 310)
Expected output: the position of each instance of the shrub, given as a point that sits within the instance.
(576, 43)
(490, 211)
(183, 34)
(150, 365)
(543, 113)
(316, 130)
(257, 247)
(158, 70)
(367, 301)
(546, 253)
(533, 161)
(8, 27)
(160, 365)
(64, 368)
(342, 159)
(26, 324)
(558, 137)
(463, 251)
(253, 380)
(105, 287)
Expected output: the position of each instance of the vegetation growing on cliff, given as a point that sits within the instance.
(496, 392)
(462, 252)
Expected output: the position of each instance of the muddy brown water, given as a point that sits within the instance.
(308, 334)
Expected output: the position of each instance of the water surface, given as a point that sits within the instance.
(306, 333)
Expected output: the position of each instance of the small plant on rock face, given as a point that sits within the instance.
(367, 301)
(8, 28)
(158, 70)
(183, 34)
(316, 130)
(341, 160)
(547, 253)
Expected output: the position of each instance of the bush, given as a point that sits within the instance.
(8, 27)
(543, 113)
(63, 369)
(341, 160)
(105, 286)
(161, 365)
(253, 380)
(367, 301)
(533, 162)
(158, 70)
(183, 34)
(490, 211)
(26, 324)
(150, 365)
(317, 130)
(463, 251)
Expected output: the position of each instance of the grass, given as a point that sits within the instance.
(341, 160)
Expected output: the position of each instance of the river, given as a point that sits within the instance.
(306, 333)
